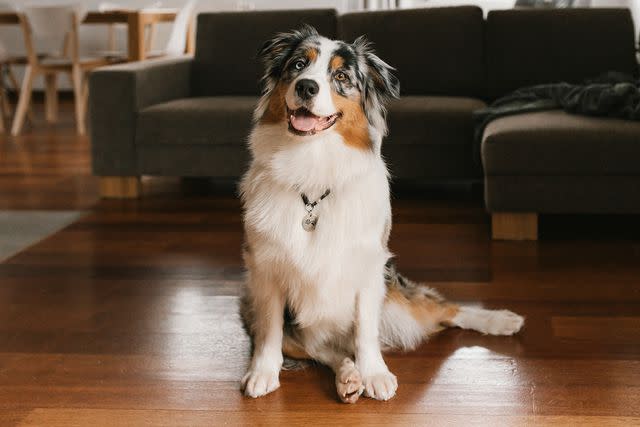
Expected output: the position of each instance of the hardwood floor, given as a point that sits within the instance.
(129, 316)
(47, 167)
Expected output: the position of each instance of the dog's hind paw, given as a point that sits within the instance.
(505, 322)
(349, 382)
(257, 383)
(492, 322)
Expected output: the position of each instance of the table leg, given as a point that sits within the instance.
(136, 37)
(191, 38)
(51, 97)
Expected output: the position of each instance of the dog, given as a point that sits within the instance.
(317, 215)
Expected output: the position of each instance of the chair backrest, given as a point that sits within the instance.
(57, 24)
(4, 7)
(107, 6)
(53, 21)
(180, 32)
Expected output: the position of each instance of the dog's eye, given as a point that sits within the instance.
(340, 76)
(299, 65)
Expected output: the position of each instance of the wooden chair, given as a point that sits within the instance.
(180, 40)
(7, 65)
(37, 22)
(112, 50)
(7, 71)
(8, 80)
(181, 37)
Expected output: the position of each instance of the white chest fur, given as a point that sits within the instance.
(320, 271)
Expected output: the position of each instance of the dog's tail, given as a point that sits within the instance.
(413, 311)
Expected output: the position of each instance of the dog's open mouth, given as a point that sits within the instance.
(303, 122)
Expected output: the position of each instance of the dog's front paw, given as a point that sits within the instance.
(381, 385)
(349, 382)
(258, 382)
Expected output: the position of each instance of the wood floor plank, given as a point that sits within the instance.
(13, 417)
(604, 329)
(105, 417)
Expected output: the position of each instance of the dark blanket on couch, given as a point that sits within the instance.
(611, 95)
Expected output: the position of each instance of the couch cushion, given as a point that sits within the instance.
(424, 162)
(436, 51)
(431, 137)
(432, 120)
(220, 161)
(227, 43)
(194, 121)
(527, 47)
(557, 143)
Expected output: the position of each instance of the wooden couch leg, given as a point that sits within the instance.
(120, 187)
(514, 226)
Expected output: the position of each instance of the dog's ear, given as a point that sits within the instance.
(275, 52)
(380, 84)
(381, 80)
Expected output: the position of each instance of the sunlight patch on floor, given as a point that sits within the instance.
(21, 229)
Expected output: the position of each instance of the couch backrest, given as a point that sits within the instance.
(434, 50)
(528, 47)
(227, 43)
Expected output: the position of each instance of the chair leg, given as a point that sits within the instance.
(3, 105)
(151, 37)
(111, 38)
(120, 187)
(514, 226)
(6, 106)
(85, 94)
(16, 87)
(51, 97)
(76, 76)
(23, 102)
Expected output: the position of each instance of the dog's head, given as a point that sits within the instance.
(313, 85)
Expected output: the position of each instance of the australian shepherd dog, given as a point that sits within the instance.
(317, 217)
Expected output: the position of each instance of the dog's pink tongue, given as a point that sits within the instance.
(304, 122)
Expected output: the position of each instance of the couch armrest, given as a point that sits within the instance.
(117, 94)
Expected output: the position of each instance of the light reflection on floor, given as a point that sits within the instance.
(478, 373)
(205, 333)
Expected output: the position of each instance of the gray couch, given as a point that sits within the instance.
(191, 116)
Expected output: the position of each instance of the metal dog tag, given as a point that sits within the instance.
(309, 221)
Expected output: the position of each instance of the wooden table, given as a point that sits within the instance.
(136, 20)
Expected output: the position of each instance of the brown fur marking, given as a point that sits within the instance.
(353, 125)
(425, 310)
(336, 63)
(312, 54)
(293, 350)
(276, 109)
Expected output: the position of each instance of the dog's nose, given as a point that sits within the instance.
(307, 89)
